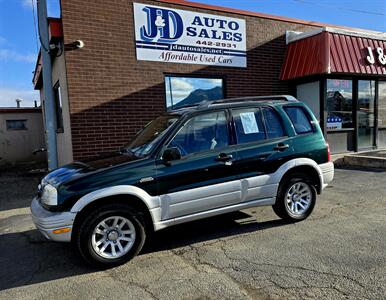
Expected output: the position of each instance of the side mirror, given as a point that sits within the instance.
(171, 154)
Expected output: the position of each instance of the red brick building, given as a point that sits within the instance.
(107, 90)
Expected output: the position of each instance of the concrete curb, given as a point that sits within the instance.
(359, 161)
(364, 161)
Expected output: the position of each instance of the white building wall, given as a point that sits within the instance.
(309, 94)
(63, 139)
(18, 145)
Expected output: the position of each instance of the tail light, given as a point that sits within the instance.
(328, 152)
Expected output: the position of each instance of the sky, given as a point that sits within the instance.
(19, 45)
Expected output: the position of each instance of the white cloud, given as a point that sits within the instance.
(180, 84)
(181, 89)
(9, 95)
(10, 55)
(213, 81)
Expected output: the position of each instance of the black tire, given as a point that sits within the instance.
(281, 208)
(83, 237)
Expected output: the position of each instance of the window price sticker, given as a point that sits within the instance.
(248, 120)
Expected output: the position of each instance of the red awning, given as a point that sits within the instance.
(333, 52)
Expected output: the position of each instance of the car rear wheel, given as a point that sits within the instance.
(111, 235)
(295, 199)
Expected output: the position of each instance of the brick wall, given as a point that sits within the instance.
(112, 95)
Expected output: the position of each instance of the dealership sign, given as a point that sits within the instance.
(379, 54)
(180, 36)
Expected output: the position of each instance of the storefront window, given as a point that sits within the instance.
(339, 104)
(382, 104)
(366, 110)
(185, 91)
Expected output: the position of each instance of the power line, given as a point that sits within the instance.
(342, 8)
(36, 32)
(40, 38)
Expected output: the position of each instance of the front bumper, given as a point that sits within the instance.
(327, 173)
(47, 222)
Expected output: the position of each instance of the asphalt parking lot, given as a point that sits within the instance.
(338, 253)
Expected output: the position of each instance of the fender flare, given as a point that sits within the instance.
(298, 162)
(150, 201)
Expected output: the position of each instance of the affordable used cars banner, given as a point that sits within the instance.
(180, 36)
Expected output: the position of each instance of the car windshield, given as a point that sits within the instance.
(148, 138)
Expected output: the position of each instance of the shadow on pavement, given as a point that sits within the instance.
(27, 258)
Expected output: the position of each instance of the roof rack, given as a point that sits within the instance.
(288, 98)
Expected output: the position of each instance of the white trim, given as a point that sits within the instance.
(293, 36)
(266, 185)
(150, 201)
(327, 173)
(213, 212)
(46, 222)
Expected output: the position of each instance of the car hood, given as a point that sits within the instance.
(80, 169)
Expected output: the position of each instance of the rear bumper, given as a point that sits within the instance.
(47, 222)
(327, 173)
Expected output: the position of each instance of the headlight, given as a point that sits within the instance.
(49, 195)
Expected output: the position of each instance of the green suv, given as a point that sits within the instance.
(188, 164)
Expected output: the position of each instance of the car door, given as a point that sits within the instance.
(262, 147)
(204, 177)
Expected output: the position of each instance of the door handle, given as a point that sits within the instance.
(281, 147)
(224, 157)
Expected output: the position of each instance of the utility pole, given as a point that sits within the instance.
(49, 100)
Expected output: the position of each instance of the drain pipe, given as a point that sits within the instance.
(49, 100)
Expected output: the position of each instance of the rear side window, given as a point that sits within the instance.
(272, 123)
(249, 125)
(299, 119)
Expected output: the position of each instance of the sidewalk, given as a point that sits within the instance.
(369, 159)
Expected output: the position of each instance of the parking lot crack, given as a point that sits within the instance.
(301, 268)
(117, 277)
(197, 261)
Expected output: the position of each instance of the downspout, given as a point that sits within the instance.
(49, 100)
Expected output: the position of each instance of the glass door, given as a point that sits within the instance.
(381, 114)
(366, 114)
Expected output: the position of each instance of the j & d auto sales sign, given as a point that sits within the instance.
(179, 36)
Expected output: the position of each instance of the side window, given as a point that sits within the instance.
(272, 123)
(202, 133)
(249, 125)
(16, 124)
(299, 119)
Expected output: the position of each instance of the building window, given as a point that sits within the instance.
(339, 104)
(185, 91)
(58, 108)
(382, 104)
(16, 124)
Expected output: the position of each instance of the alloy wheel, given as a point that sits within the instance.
(113, 237)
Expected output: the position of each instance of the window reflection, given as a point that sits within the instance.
(185, 91)
(339, 104)
(382, 104)
(366, 103)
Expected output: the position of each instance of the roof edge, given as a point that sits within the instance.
(260, 15)
(293, 36)
(9, 110)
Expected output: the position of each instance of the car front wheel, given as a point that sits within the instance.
(295, 199)
(111, 235)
